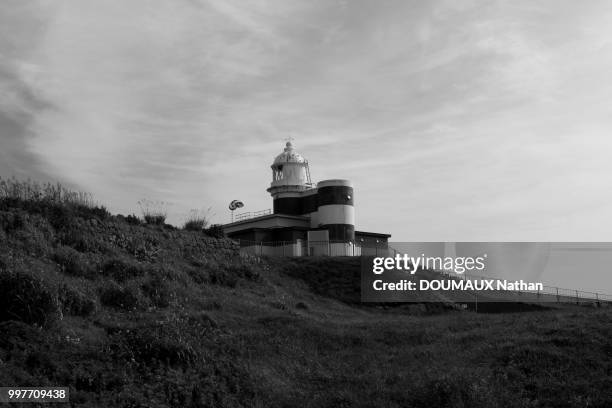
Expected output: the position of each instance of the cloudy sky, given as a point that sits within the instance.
(456, 120)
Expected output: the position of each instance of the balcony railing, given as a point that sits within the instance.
(254, 214)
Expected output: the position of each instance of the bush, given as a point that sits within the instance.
(197, 220)
(242, 270)
(73, 262)
(221, 276)
(122, 270)
(153, 212)
(158, 290)
(76, 303)
(79, 240)
(194, 225)
(222, 273)
(27, 299)
(18, 335)
(215, 231)
(10, 222)
(155, 219)
(163, 345)
(123, 298)
(133, 220)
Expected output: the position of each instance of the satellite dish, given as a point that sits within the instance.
(235, 204)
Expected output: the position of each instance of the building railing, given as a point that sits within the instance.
(249, 215)
(313, 248)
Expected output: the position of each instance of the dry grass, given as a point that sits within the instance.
(28, 190)
(153, 212)
(198, 219)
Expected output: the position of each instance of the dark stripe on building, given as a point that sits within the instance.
(288, 205)
(310, 203)
(335, 195)
(340, 232)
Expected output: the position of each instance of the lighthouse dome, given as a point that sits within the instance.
(289, 155)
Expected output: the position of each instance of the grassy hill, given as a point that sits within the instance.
(134, 315)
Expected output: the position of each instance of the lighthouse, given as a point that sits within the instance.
(306, 219)
(290, 178)
(329, 205)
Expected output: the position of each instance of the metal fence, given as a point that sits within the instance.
(546, 294)
(313, 248)
(253, 214)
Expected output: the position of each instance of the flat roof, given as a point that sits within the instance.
(297, 228)
(266, 217)
(372, 234)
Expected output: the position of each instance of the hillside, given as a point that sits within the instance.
(134, 315)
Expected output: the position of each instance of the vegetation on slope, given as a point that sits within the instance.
(132, 315)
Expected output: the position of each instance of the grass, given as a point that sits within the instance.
(153, 212)
(129, 315)
(28, 191)
(197, 220)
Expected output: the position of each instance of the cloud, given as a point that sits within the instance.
(456, 120)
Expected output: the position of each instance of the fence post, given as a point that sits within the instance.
(557, 294)
(577, 301)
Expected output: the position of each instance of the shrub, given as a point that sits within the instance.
(223, 274)
(18, 335)
(27, 299)
(10, 222)
(79, 240)
(197, 220)
(155, 219)
(133, 220)
(153, 212)
(158, 290)
(278, 305)
(98, 211)
(163, 345)
(242, 270)
(215, 231)
(220, 276)
(75, 302)
(202, 320)
(116, 296)
(73, 262)
(122, 269)
(194, 225)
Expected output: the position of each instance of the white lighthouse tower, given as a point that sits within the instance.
(290, 174)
